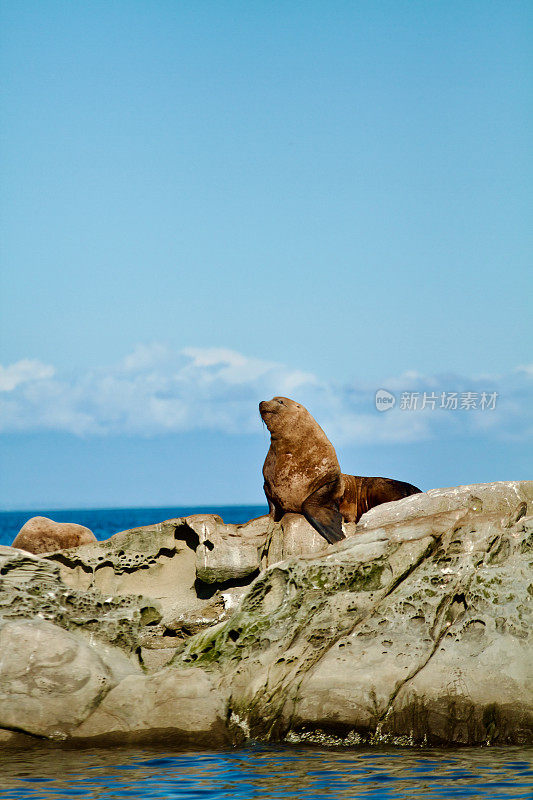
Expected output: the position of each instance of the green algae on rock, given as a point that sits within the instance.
(416, 628)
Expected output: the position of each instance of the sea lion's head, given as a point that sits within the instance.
(281, 414)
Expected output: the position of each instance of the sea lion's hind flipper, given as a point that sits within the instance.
(326, 519)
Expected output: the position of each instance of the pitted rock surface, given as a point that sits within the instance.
(31, 588)
(317, 647)
(501, 498)
(195, 567)
(416, 628)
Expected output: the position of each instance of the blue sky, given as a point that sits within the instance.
(206, 204)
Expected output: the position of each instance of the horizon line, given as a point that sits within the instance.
(4, 510)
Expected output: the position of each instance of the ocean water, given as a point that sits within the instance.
(104, 522)
(268, 772)
(49, 772)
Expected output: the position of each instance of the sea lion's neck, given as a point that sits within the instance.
(282, 446)
(280, 443)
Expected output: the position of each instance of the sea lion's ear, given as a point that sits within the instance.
(326, 519)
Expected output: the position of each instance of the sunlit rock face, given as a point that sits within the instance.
(415, 628)
(42, 535)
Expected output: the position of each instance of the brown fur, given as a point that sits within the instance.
(301, 470)
(361, 494)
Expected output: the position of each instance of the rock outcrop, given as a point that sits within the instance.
(416, 628)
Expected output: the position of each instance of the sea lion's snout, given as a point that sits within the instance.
(267, 407)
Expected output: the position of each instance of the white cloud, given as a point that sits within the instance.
(23, 371)
(146, 356)
(156, 390)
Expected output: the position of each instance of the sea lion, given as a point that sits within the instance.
(301, 470)
(361, 493)
(43, 535)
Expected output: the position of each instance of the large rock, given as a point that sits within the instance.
(163, 561)
(51, 680)
(416, 628)
(31, 588)
(446, 657)
(235, 552)
(183, 706)
(228, 552)
(297, 611)
(195, 567)
(499, 498)
(42, 535)
(156, 560)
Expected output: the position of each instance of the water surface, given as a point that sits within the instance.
(268, 772)
(104, 522)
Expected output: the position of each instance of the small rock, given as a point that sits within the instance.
(197, 618)
(43, 535)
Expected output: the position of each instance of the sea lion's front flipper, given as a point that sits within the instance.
(324, 515)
